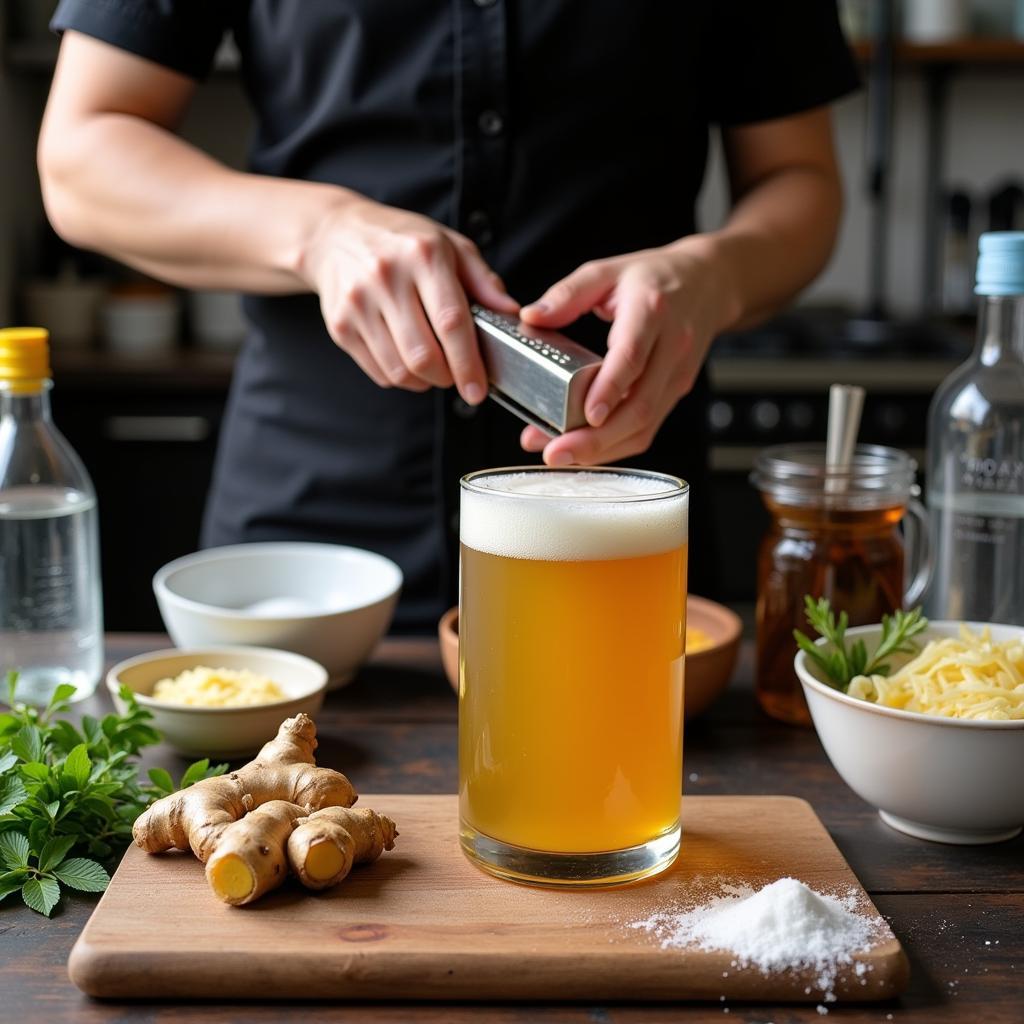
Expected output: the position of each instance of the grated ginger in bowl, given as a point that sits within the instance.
(218, 688)
(697, 640)
(970, 676)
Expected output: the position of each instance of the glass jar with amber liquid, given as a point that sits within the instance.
(833, 534)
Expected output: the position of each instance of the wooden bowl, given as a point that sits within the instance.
(707, 671)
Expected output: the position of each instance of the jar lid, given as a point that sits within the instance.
(24, 355)
(796, 474)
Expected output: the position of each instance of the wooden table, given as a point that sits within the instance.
(959, 911)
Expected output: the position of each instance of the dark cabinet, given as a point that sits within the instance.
(149, 447)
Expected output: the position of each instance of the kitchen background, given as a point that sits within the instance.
(932, 152)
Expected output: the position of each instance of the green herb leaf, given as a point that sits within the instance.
(55, 851)
(39, 831)
(195, 772)
(858, 659)
(28, 743)
(199, 770)
(60, 699)
(161, 778)
(14, 849)
(78, 765)
(897, 633)
(83, 874)
(815, 653)
(842, 665)
(64, 736)
(90, 728)
(12, 793)
(11, 881)
(36, 771)
(100, 849)
(41, 894)
(7, 761)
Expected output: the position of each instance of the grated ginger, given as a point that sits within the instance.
(218, 688)
(697, 640)
(970, 676)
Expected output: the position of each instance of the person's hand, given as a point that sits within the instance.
(393, 291)
(665, 307)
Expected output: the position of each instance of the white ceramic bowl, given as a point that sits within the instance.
(221, 732)
(217, 319)
(944, 779)
(328, 602)
(141, 325)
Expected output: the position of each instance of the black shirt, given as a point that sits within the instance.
(550, 131)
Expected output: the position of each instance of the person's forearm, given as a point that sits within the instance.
(140, 194)
(777, 239)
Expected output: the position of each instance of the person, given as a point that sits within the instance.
(415, 155)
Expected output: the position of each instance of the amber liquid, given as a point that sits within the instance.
(853, 557)
(571, 699)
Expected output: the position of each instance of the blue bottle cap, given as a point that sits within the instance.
(1000, 263)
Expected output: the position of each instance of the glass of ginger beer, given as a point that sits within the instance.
(571, 624)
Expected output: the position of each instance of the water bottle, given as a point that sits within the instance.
(51, 627)
(976, 454)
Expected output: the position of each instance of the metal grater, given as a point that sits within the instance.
(539, 375)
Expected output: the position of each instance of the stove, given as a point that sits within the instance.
(771, 385)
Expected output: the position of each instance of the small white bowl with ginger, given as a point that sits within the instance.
(217, 730)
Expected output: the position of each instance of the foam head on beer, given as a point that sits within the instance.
(573, 515)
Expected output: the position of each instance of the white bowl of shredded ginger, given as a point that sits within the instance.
(220, 702)
(937, 745)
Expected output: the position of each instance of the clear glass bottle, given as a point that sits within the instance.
(976, 454)
(51, 625)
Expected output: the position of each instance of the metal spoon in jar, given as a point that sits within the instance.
(845, 405)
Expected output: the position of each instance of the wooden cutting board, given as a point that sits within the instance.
(423, 923)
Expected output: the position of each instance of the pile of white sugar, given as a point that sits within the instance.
(784, 926)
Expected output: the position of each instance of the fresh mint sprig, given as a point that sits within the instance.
(67, 789)
(841, 664)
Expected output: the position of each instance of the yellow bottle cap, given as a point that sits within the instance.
(24, 356)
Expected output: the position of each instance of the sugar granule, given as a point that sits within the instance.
(784, 926)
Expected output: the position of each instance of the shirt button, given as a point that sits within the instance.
(479, 227)
(464, 410)
(491, 123)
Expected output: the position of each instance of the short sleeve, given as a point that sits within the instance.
(182, 35)
(768, 60)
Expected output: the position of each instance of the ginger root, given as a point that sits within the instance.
(241, 825)
(250, 858)
(326, 844)
(284, 769)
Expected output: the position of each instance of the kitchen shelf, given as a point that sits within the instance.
(970, 52)
(181, 370)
